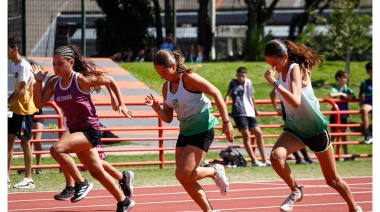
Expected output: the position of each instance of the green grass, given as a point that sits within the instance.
(53, 180)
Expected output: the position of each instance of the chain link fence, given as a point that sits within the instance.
(43, 25)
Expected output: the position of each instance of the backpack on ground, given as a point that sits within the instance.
(232, 156)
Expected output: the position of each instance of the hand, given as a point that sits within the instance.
(228, 130)
(151, 101)
(125, 111)
(37, 72)
(270, 76)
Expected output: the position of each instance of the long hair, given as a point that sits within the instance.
(82, 64)
(167, 58)
(306, 57)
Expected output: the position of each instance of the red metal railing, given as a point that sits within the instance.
(161, 129)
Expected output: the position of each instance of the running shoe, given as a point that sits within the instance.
(126, 183)
(294, 197)
(267, 163)
(368, 140)
(220, 179)
(9, 182)
(359, 209)
(125, 205)
(67, 193)
(81, 190)
(25, 183)
(258, 164)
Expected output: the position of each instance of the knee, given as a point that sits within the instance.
(54, 151)
(25, 145)
(276, 157)
(334, 182)
(182, 176)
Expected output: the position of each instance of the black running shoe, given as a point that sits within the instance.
(81, 190)
(66, 194)
(125, 206)
(126, 183)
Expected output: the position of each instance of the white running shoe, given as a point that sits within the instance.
(294, 197)
(258, 164)
(359, 209)
(267, 163)
(220, 179)
(9, 183)
(25, 183)
(368, 140)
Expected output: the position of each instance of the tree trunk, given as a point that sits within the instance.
(158, 24)
(204, 28)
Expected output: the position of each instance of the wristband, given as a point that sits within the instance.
(276, 83)
(226, 122)
(158, 109)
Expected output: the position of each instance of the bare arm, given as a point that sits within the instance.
(166, 113)
(292, 96)
(14, 98)
(194, 82)
(86, 83)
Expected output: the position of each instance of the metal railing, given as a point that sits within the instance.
(161, 129)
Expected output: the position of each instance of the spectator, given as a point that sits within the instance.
(199, 58)
(192, 54)
(365, 102)
(169, 43)
(281, 111)
(22, 105)
(341, 91)
(150, 55)
(140, 57)
(244, 114)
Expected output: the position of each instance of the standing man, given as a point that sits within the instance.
(244, 113)
(20, 102)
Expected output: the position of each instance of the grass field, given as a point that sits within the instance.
(220, 75)
(53, 180)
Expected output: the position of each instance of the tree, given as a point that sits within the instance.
(204, 36)
(258, 14)
(124, 27)
(347, 32)
(158, 24)
(299, 21)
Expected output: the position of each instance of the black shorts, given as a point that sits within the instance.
(15, 124)
(244, 122)
(39, 112)
(92, 135)
(202, 140)
(317, 143)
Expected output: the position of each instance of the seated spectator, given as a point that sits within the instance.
(169, 43)
(140, 57)
(365, 102)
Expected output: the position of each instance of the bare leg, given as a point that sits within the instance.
(365, 110)
(188, 172)
(327, 162)
(25, 145)
(260, 142)
(90, 159)
(37, 136)
(112, 170)
(11, 141)
(247, 144)
(284, 146)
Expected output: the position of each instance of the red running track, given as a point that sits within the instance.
(245, 196)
